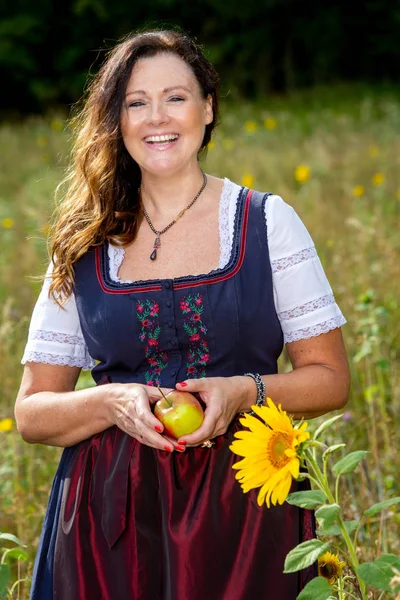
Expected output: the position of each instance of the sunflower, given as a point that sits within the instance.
(330, 567)
(270, 451)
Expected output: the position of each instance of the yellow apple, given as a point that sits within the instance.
(179, 412)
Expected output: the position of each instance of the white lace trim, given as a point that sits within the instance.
(306, 308)
(228, 198)
(55, 336)
(116, 255)
(289, 261)
(56, 359)
(314, 330)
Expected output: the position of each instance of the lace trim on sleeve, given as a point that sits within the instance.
(306, 308)
(314, 330)
(55, 336)
(86, 363)
(281, 264)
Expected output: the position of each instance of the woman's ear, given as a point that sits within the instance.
(209, 109)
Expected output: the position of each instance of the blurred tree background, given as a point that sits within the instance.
(48, 46)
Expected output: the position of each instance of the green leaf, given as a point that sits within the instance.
(350, 526)
(11, 538)
(379, 573)
(316, 589)
(327, 515)
(348, 463)
(16, 553)
(325, 425)
(332, 449)
(304, 555)
(307, 499)
(5, 574)
(376, 508)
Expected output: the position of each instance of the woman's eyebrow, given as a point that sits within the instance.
(165, 90)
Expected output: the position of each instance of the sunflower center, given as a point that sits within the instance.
(328, 571)
(278, 443)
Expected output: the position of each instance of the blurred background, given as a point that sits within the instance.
(310, 111)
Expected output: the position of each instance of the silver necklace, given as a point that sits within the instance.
(157, 241)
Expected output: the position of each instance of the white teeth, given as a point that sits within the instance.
(161, 138)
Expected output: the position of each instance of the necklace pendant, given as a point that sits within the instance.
(157, 244)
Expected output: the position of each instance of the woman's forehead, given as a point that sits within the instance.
(161, 72)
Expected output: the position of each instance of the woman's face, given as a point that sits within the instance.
(164, 114)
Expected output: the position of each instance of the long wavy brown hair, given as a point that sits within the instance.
(99, 195)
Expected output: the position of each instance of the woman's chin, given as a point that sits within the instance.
(164, 167)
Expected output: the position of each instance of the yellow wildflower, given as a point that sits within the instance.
(228, 144)
(8, 223)
(41, 141)
(270, 123)
(378, 179)
(302, 173)
(248, 181)
(270, 452)
(211, 145)
(358, 191)
(330, 567)
(6, 425)
(250, 126)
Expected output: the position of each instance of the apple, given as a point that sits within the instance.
(180, 413)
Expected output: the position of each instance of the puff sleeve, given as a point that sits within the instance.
(304, 300)
(55, 335)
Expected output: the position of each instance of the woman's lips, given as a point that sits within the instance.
(161, 146)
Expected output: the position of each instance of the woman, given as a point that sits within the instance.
(177, 279)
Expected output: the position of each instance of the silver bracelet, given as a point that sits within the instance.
(260, 390)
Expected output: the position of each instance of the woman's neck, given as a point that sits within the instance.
(167, 196)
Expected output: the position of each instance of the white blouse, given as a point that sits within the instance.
(304, 301)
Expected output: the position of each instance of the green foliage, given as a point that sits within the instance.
(47, 48)
(349, 462)
(304, 555)
(316, 589)
(308, 499)
(380, 573)
(13, 554)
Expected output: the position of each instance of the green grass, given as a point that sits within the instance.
(347, 137)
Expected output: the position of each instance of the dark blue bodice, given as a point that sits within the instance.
(163, 331)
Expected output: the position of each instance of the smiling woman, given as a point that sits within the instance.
(134, 512)
(163, 125)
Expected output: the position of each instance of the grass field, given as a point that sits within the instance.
(332, 154)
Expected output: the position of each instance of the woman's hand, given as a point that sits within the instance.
(224, 397)
(130, 409)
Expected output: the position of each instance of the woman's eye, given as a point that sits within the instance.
(136, 104)
(177, 99)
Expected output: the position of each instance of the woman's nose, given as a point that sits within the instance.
(158, 113)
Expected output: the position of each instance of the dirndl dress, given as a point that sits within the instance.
(126, 521)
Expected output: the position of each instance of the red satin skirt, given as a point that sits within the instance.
(142, 524)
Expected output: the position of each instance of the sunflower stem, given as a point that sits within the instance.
(341, 595)
(324, 487)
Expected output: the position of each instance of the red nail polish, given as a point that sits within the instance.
(158, 428)
(168, 449)
(183, 384)
(183, 443)
(180, 448)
